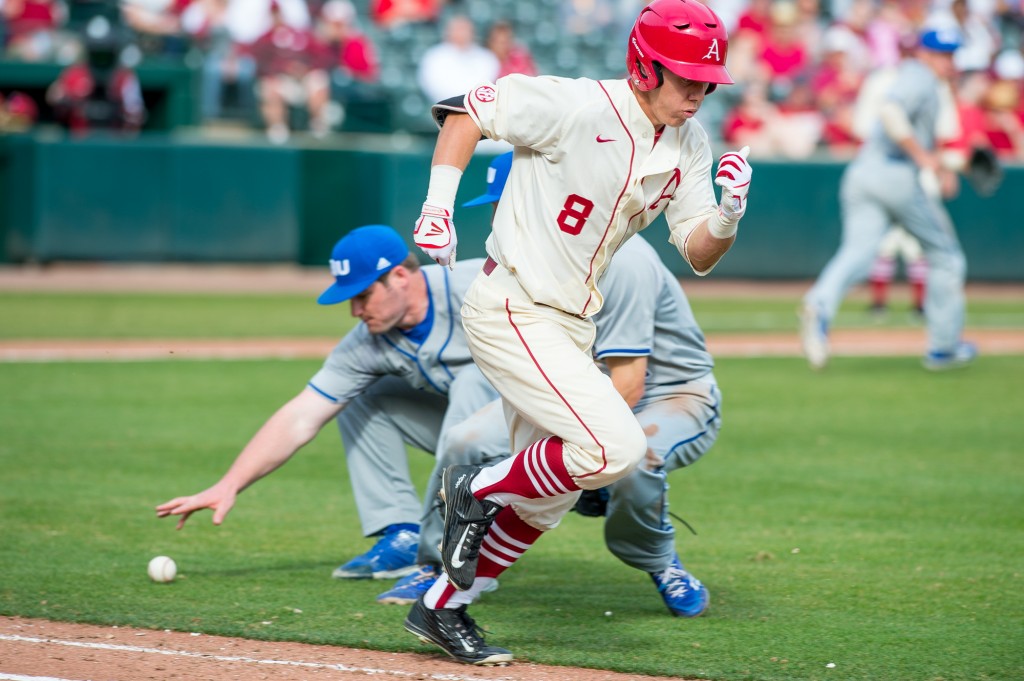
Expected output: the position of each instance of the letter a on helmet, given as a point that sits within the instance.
(683, 36)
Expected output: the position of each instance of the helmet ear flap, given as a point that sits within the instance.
(659, 74)
(648, 81)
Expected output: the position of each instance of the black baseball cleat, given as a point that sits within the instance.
(454, 632)
(465, 523)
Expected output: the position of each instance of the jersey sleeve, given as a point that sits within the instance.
(523, 110)
(350, 368)
(625, 325)
(441, 109)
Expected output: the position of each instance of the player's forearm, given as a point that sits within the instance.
(287, 431)
(921, 157)
(456, 141)
(897, 126)
(703, 250)
(265, 453)
(628, 375)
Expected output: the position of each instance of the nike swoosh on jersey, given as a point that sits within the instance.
(456, 562)
(602, 140)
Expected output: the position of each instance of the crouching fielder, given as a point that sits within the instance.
(594, 163)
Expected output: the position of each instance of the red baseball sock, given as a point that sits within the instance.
(536, 472)
(917, 273)
(879, 292)
(507, 540)
(883, 270)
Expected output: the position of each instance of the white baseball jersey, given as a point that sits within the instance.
(586, 175)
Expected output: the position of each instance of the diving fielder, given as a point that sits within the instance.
(401, 376)
(594, 163)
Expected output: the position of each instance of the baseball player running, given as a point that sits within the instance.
(402, 375)
(881, 186)
(594, 162)
(655, 355)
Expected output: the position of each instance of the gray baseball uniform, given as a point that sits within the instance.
(881, 187)
(679, 410)
(401, 390)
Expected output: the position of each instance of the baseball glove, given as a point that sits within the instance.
(984, 172)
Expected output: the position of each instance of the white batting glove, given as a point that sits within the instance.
(733, 177)
(435, 234)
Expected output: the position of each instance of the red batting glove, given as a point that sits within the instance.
(435, 234)
(733, 177)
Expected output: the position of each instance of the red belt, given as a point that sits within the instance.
(489, 265)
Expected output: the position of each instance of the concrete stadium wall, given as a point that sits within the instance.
(167, 199)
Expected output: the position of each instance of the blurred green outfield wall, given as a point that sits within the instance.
(168, 199)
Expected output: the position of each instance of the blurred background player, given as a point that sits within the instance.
(654, 352)
(401, 376)
(882, 186)
(600, 160)
(899, 245)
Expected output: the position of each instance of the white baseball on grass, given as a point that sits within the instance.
(162, 569)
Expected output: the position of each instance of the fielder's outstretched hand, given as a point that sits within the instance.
(219, 498)
(733, 177)
(435, 234)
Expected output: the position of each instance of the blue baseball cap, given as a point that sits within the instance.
(941, 40)
(360, 258)
(497, 175)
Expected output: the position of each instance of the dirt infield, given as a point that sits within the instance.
(37, 650)
(849, 342)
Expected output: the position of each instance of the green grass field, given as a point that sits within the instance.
(180, 315)
(869, 517)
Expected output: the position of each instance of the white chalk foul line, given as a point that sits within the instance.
(20, 677)
(224, 658)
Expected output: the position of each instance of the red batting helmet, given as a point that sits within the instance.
(683, 36)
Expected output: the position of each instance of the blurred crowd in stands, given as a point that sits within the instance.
(806, 70)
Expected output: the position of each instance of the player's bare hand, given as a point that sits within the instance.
(733, 177)
(435, 234)
(220, 501)
(949, 184)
